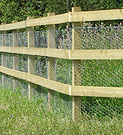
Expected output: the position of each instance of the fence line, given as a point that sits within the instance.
(72, 52)
(80, 16)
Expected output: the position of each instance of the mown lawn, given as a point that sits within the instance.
(19, 116)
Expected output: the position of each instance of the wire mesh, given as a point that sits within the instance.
(101, 108)
(91, 38)
(22, 39)
(22, 63)
(8, 82)
(61, 106)
(8, 38)
(41, 66)
(41, 93)
(63, 72)
(23, 87)
(9, 60)
(99, 37)
(63, 39)
(107, 73)
(40, 39)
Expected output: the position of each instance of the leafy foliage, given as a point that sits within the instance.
(19, 10)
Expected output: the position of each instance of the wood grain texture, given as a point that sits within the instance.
(3, 59)
(31, 62)
(50, 52)
(76, 70)
(94, 91)
(110, 54)
(51, 61)
(15, 56)
(12, 26)
(49, 20)
(99, 15)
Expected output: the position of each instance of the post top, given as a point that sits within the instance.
(14, 21)
(76, 9)
(50, 13)
(30, 17)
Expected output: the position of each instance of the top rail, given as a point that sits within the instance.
(113, 14)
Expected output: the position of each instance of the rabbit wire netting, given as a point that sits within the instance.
(104, 73)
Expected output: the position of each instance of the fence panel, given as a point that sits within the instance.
(79, 61)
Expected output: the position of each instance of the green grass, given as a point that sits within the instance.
(19, 116)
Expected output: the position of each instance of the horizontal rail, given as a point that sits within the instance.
(97, 91)
(56, 53)
(56, 19)
(114, 14)
(64, 88)
(56, 86)
(99, 15)
(66, 54)
(108, 54)
(12, 26)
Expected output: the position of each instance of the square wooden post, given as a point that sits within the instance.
(31, 67)
(3, 57)
(51, 61)
(15, 57)
(76, 70)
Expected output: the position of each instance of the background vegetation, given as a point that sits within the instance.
(20, 9)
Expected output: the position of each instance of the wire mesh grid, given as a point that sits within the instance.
(89, 38)
(99, 37)
(61, 106)
(42, 93)
(63, 71)
(101, 108)
(22, 62)
(7, 81)
(9, 60)
(41, 66)
(108, 73)
(63, 39)
(40, 39)
(23, 86)
(22, 39)
(8, 38)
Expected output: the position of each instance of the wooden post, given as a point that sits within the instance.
(76, 70)
(31, 67)
(51, 61)
(15, 57)
(3, 57)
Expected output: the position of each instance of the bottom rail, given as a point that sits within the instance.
(65, 88)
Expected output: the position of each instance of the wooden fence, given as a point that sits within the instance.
(75, 90)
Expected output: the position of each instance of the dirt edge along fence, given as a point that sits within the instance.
(72, 51)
